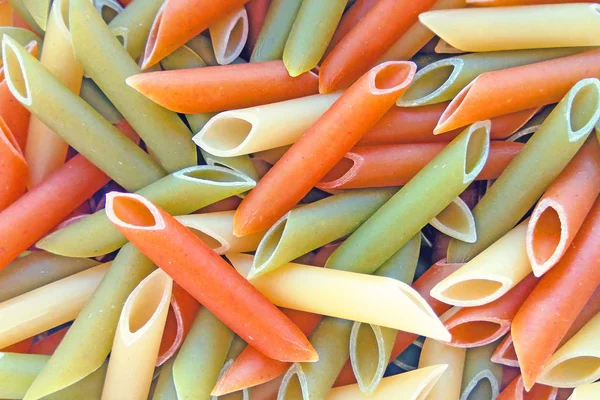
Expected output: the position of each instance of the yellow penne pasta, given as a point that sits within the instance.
(449, 384)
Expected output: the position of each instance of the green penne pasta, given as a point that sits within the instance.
(311, 226)
(20, 8)
(275, 30)
(523, 134)
(89, 340)
(22, 36)
(134, 23)
(92, 94)
(180, 193)
(442, 80)
(537, 165)
(182, 58)
(313, 28)
(109, 65)
(481, 377)
(18, 371)
(237, 346)
(371, 345)
(242, 164)
(39, 10)
(36, 270)
(202, 46)
(430, 191)
(201, 357)
(165, 387)
(75, 121)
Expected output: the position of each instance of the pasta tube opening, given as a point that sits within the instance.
(108, 9)
(483, 383)
(268, 246)
(368, 365)
(431, 82)
(154, 294)
(132, 211)
(585, 98)
(229, 36)
(294, 385)
(478, 147)
(343, 171)
(15, 72)
(149, 57)
(217, 176)
(546, 236)
(225, 134)
(456, 221)
(474, 290)
(391, 77)
(476, 333)
(215, 243)
(573, 372)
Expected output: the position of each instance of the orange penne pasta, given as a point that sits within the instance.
(557, 300)
(179, 21)
(514, 89)
(19, 347)
(482, 325)
(503, 3)
(48, 344)
(416, 125)
(12, 111)
(207, 277)
(560, 212)
(208, 89)
(257, 11)
(179, 321)
(282, 187)
(505, 353)
(516, 391)
(28, 219)
(349, 20)
(356, 52)
(13, 168)
(395, 165)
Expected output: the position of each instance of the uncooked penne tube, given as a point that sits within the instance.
(587, 392)
(577, 362)
(39, 10)
(357, 297)
(229, 36)
(249, 130)
(216, 230)
(412, 385)
(490, 274)
(137, 339)
(22, 16)
(513, 28)
(456, 221)
(449, 384)
(242, 164)
(481, 378)
(13, 168)
(47, 307)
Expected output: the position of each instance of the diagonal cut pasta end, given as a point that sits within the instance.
(368, 355)
(456, 221)
(294, 384)
(582, 110)
(132, 211)
(431, 83)
(477, 149)
(547, 235)
(470, 290)
(391, 77)
(14, 58)
(228, 134)
(229, 36)
(343, 172)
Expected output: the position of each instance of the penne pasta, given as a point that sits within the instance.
(108, 9)
(442, 47)
(200, 90)
(49, 203)
(13, 168)
(257, 12)
(182, 192)
(575, 363)
(249, 130)
(161, 237)
(516, 390)
(505, 353)
(562, 209)
(587, 392)
(242, 164)
(311, 226)
(75, 121)
(387, 20)
(215, 229)
(503, 28)
(22, 18)
(178, 21)
(396, 165)
(180, 316)
(449, 384)
(38, 269)
(311, 32)
(496, 3)
(39, 11)
(47, 307)
(85, 347)
(356, 297)
(165, 388)
(229, 36)
(513, 194)
(443, 80)
(275, 30)
(280, 188)
(456, 221)
(413, 385)
(489, 275)
(432, 189)
(481, 378)
(197, 366)
(137, 339)
(565, 289)
(417, 36)
(482, 325)
(133, 25)
(46, 151)
(556, 77)
(92, 95)
(47, 345)
(163, 132)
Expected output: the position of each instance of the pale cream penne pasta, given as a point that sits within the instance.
(347, 295)
(248, 130)
(456, 221)
(413, 385)
(229, 36)
(47, 307)
(490, 274)
(216, 230)
(137, 339)
(587, 392)
(449, 384)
